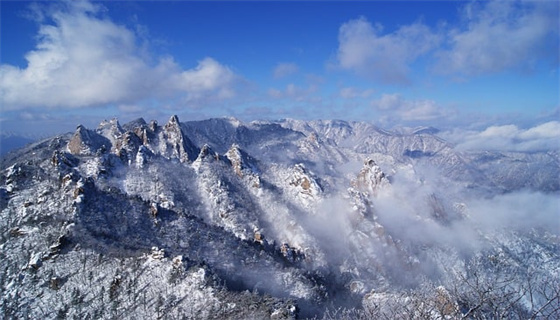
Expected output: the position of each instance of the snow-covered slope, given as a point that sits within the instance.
(224, 219)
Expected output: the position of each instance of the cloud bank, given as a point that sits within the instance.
(85, 60)
(495, 36)
(409, 110)
(542, 137)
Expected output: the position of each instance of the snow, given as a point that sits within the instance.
(195, 213)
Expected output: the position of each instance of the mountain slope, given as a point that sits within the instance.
(223, 219)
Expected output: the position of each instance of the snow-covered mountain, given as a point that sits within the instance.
(283, 219)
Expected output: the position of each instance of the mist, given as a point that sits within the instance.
(519, 211)
(421, 212)
(540, 137)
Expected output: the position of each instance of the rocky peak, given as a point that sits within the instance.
(110, 126)
(172, 126)
(311, 144)
(173, 120)
(128, 145)
(111, 130)
(305, 186)
(153, 125)
(142, 133)
(174, 143)
(87, 142)
(136, 123)
(302, 178)
(205, 155)
(241, 162)
(243, 165)
(370, 179)
(234, 156)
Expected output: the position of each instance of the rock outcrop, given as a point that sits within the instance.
(370, 179)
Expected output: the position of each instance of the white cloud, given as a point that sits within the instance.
(499, 131)
(83, 60)
(365, 50)
(491, 36)
(208, 76)
(409, 110)
(500, 35)
(543, 131)
(388, 102)
(520, 210)
(542, 137)
(285, 69)
(352, 93)
(295, 93)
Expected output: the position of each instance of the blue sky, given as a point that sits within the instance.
(402, 63)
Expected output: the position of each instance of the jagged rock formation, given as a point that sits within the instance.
(87, 142)
(244, 165)
(370, 179)
(173, 143)
(220, 218)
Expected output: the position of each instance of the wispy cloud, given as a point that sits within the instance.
(83, 59)
(295, 93)
(285, 69)
(365, 50)
(541, 137)
(352, 93)
(500, 35)
(520, 210)
(398, 109)
(491, 37)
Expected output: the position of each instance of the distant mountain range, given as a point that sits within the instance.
(276, 219)
(9, 142)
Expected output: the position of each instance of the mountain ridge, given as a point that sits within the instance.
(313, 214)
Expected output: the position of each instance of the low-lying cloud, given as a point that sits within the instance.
(406, 211)
(542, 137)
(518, 211)
(83, 59)
(409, 110)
